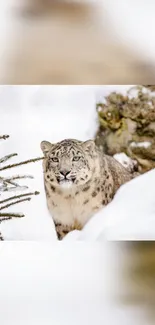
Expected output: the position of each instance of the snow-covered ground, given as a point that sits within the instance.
(32, 114)
(130, 216)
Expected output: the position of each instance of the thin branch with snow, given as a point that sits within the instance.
(12, 215)
(4, 219)
(17, 177)
(4, 137)
(13, 188)
(21, 163)
(19, 196)
(5, 158)
(13, 203)
(8, 184)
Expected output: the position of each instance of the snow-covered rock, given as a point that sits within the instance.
(126, 161)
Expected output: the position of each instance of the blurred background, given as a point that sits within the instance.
(138, 277)
(77, 42)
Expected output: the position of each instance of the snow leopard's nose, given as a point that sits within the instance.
(65, 172)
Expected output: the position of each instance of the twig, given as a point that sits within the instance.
(12, 203)
(21, 163)
(9, 180)
(6, 182)
(5, 158)
(12, 215)
(19, 196)
(13, 188)
(5, 218)
(9, 184)
(4, 137)
(17, 177)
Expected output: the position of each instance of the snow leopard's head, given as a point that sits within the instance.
(69, 162)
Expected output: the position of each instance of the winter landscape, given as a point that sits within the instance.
(32, 114)
(78, 280)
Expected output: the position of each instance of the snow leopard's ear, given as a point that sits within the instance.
(89, 145)
(46, 147)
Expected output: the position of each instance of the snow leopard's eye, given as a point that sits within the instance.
(55, 159)
(76, 158)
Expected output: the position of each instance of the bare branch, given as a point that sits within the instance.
(21, 163)
(13, 203)
(19, 196)
(5, 158)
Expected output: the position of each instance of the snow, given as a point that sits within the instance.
(127, 90)
(144, 144)
(30, 115)
(104, 91)
(130, 216)
(78, 282)
(36, 113)
(126, 161)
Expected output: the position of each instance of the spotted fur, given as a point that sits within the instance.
(79, 180)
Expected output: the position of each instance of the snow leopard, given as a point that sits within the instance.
(79, 180)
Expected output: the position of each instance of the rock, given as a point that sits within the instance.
(127, 124)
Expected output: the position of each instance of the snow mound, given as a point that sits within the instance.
(130, 216)
(126, 161)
